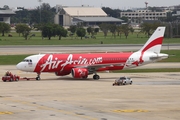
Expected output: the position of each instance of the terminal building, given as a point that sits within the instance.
(5, 15)
(88, 16)
(140, 15)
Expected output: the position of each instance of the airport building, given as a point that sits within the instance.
(88, 16)
(139, 15)
(5, 15)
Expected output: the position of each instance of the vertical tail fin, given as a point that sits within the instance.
(154, 43)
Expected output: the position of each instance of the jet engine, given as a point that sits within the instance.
(61, 73)
(79, 73)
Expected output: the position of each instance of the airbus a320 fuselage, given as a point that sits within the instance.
(82, 65)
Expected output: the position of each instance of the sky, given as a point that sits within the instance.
(115, 4)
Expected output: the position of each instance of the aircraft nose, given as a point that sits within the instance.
(19, 66)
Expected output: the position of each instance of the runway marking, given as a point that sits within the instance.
(52, 109)
(6, 112)
(130, 111)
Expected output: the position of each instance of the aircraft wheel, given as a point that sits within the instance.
(10, 80)
(17, 79)
(37, 78)
(96, 77)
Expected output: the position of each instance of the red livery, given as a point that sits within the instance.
(82, 65)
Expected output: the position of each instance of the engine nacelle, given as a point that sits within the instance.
(79, 73)
(61, 73)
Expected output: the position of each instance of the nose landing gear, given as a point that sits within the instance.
(38, 76)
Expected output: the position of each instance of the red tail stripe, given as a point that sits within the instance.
(153, 43)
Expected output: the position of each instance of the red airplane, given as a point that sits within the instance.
(82, 65)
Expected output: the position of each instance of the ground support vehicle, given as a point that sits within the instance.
(10, 78)
(122, 81)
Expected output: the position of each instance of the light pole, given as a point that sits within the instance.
(40, 9)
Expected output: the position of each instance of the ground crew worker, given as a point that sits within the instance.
(7, 73)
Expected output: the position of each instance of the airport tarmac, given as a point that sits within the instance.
(36, 49)
(152, 96)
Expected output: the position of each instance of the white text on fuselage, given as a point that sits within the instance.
(52, 64)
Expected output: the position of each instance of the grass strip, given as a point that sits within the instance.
(148, 70)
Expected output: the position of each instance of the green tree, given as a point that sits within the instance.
(22, 16)
(19, 28)
(113, 29)
(81, 32)
(42, 14)
(0, 27)
(125, 19)
(26, 32)
(61, 32)
(111, 12)
(96, 30)
(125, 29)
(38, 26)
(47, 13)
(131, 30)
(104, 27)
(4, 28)
(64, 33)
(72, 29)
(47, 31)
(35, 16)
(23, 29)
(148, 28)
(119, 30)
(89, 30)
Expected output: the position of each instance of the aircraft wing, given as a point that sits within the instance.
(97, 66)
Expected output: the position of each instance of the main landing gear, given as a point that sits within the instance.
(38, 76)
(96, 77)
